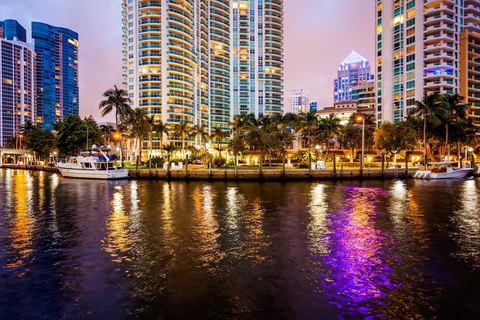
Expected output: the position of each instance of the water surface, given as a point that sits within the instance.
(248, 250)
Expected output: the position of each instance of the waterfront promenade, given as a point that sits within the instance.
(240, 174)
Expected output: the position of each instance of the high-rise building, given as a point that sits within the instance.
(11, 29)
(299, 101)
(56, 73)
(257, 57)
(417, 51)
(16, 84)
(469, 79)
(364, 94)
(203, 61)
(351, 72)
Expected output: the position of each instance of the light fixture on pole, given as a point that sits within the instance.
(362, 118)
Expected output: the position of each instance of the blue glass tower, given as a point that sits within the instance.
(10, 29)
(57, 93)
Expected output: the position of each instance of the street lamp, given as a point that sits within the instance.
(361, 118)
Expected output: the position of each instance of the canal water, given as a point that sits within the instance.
(392, 249)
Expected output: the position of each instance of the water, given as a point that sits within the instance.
(299, 250)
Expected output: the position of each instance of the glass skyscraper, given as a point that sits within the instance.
(57, 93)
(16, 81)
(11, 29)
(352, 71)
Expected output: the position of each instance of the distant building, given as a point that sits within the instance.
(57, 93)
(11, 29)
(299, 101)
(314, 105)
(363, 101)
(364, 94)
(352, 71)
(16, 81)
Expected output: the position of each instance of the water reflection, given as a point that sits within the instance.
(19, 206)
(357, 278)
(176, 250)
(118, 241)
(467, 221)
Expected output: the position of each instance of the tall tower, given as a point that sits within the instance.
(203, 61)
(57, 93)
(352, 71)
(16, 84)
(417, 51)
(176, 60)
(257, 57)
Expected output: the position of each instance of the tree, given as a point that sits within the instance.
(218, 134)
(183, 130)
(202, 133)
(392, 137)
(72, 134)
(308, 125)
(430, 109)
(118, 101)
(138, 128)
(27, 130)
(41, 142)
(331, 127)
(107, 131)
(455, 112)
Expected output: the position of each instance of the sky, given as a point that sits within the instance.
(318, 35)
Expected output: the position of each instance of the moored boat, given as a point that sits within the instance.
(93, 164)
(443, 170)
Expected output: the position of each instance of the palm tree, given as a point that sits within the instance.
(431, 107)
(308, 122)
(118, 100)
(169, 148)
(107, 131)
(455, 111)
(332, 127)
(202, 133)
(182, 129)
(160, 129)
(218, 134)
(138, 128)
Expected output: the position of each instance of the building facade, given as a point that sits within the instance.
(16, 87)
(203, 61)
(257, 57)
(417, 51)
(56, 73)
(469, 79)
(351, 72)
(299, 101)
(364, 94)
(11, 29)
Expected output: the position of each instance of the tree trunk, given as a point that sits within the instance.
(446, 141)
(151, 150)
(425, 136)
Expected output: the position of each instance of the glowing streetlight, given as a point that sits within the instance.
(362, 119)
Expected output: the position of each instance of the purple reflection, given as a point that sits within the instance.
(356, 279)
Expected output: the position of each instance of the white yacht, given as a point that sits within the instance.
(93, 164)
(443, 170)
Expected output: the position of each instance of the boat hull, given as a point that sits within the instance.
(93, 174)
(455, 174)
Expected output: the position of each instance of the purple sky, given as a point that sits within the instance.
(319, 34)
